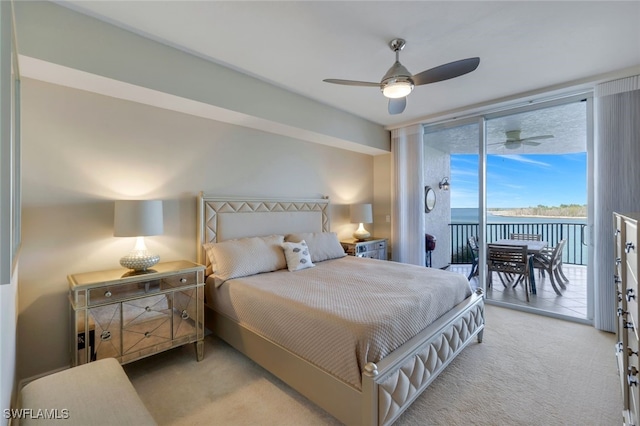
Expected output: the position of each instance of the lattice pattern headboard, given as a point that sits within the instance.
(221, 219)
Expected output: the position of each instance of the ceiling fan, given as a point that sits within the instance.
(398, 82)
(514, 140)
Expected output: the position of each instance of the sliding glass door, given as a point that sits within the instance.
(516, 171)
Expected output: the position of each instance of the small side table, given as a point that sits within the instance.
(128, 316)
(373, 248)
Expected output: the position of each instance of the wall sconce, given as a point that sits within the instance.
(138, 218)
(444, 184)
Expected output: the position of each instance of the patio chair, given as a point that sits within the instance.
(550, 260)
(511, 263)
(526, 237)
(472, 243)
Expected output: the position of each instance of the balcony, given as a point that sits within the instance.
(571, 305)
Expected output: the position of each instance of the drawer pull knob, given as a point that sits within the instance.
(630, 294)
(107, 293)
(628, 247)
(185, 314)
(147, 334)
(105, 335)
(183, 280)
(146, 308)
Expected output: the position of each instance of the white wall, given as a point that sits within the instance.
(437, 165)
(8, 325)
(382, 198)
(57, 35)
(82, 150)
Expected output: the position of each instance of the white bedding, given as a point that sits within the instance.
(342, 313)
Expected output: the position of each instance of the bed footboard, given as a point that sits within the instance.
(388, 387)
(391, 386)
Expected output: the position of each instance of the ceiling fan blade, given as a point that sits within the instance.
(351, 82)
(397, 105)
(535, 138)
(446, 71)
(530, 143)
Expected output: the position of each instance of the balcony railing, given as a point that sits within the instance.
(575, 251)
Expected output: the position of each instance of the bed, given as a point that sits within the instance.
(348, 384)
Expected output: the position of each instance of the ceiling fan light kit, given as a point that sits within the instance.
(397, 87)
(398, 82)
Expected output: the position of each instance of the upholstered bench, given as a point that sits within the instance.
(97, 393)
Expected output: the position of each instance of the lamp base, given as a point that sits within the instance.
(361, 233)
(139, 260)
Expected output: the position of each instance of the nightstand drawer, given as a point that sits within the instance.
(369, 254)
(180, 280)
(372, 249)
(366, 247)
(146, 322)
(108, 294)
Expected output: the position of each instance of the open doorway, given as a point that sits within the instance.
(535, 177)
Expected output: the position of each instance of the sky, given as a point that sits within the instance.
(520, 180)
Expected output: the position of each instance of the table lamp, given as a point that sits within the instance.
(361, 213)
(138, 218)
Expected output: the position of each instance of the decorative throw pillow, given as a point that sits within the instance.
(246, 256)
(322, 245)
(297, 255)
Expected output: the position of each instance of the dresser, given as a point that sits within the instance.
(373, 248)
(126, 315)
(627, 333)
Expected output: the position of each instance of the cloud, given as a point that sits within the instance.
(523, 159)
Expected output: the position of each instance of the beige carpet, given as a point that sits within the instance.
(529, 370)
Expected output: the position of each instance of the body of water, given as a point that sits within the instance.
(470, 215)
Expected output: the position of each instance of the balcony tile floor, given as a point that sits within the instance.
(571, 305)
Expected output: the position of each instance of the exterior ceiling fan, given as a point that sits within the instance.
(398, 82)
(514, 140)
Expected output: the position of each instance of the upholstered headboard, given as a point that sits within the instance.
(221, 219)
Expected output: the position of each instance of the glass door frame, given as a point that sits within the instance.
(481, 119)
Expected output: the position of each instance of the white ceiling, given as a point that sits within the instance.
(564, 127)
(525, 47)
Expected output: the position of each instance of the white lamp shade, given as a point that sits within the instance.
(137, 218)
(361, 213)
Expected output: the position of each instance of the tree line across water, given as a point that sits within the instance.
(563, 210)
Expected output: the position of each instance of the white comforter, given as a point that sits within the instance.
(344, 312)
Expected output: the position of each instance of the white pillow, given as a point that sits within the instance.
(212, 260)
(322, 245)
(297, 255)
(246, 256)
